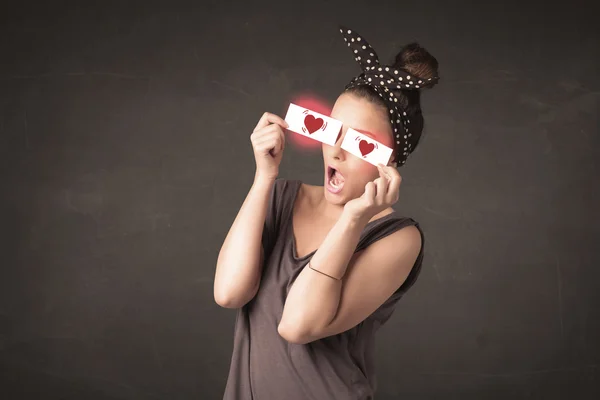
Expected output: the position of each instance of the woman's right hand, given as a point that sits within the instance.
(268, 142)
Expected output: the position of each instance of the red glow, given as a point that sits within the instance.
(313, 103)
(318, 104)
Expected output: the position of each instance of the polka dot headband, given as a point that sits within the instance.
(386, 80)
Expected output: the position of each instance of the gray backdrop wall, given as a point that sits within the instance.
(125, 156)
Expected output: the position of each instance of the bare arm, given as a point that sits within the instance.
(318, 306)
(237, 276)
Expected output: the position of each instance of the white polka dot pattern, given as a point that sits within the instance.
(385, 81)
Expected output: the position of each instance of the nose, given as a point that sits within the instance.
(336, 151)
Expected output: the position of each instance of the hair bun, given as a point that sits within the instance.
(417, 61)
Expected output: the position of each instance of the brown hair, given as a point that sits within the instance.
(417, 61)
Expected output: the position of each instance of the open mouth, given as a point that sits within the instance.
(335, 178)
(330, 172)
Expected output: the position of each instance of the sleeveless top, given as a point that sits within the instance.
(264, 366)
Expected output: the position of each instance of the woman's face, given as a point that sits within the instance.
(367, 118)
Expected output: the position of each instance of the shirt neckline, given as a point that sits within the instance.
(290, 225)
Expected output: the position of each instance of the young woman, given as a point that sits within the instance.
(314, 271)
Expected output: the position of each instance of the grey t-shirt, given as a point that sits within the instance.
(264, 366)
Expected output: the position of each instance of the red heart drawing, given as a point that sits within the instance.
(312, 124)
(365, 147)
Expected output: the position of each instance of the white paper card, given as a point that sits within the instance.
(312, 124)
(366, 148)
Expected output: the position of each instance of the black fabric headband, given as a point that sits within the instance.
(385, 80)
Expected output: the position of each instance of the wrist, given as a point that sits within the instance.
(352, 219)
(262, 180)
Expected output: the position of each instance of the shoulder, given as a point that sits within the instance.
(284, 193)
(283, 184)
(397, 255)
(406, 239)
(395, 241)
(410, 232)
(281, 187)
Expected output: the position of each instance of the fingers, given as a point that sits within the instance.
(270, 123)
(375, 192)
(394, 188)
(384, 180)
(269, 118)
(383, 172)
(272, 134)
(393, 180)
(267, 143)
(381, 184)
(370, 191)
(276, 131)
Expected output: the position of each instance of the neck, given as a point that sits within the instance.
(328, 209)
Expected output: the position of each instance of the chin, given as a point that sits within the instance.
(339, 198)
(334, 199)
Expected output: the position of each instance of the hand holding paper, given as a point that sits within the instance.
(268, 143)
(326, 130)
(379, 194)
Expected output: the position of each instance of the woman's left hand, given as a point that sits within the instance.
(379, 194)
